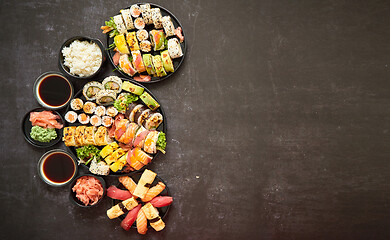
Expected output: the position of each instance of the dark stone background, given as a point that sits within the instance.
(281, 108)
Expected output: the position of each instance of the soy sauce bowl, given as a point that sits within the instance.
(76, 201)
(61, 59)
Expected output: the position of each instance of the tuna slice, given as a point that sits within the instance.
(130, 218)
(116, 193)
(161, 201)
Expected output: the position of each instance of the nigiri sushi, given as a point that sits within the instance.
(154, 191)
(130, 218)
(142, 222)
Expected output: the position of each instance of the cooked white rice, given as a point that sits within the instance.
(83, 58)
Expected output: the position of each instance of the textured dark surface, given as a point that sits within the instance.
(281, 108)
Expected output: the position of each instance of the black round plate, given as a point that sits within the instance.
(176, 61)
(161, 128)
(75, 200)
(162, 211)
(26, 128)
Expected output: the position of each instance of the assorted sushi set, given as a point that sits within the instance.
(114, 126)
(146, 42)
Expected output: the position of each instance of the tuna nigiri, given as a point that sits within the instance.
(153, 192)
(161, 201)
(116, 193)
(142, 222)
(130, 218)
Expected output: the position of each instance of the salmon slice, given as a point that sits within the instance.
(140, 139)
(133, 161)
(115, 58)
(142, 222)
(126, 66)
(128, 183)
(153, 192)
(120, 128)
(142, 156)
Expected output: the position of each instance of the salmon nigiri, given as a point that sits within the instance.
(153, 192)
(133, 161)
(125, 65)
(142, 222)
(128, 183)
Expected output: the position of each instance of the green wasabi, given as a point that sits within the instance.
(41, 134)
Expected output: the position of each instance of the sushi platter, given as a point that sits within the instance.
(123, 149)
(112, 126)
(130, 51)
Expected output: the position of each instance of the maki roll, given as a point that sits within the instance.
(107, 121)
(71, 117)
(140, 136)
(130, 87)
(76, 104)
(113, 83)
(149, 101)
(158, 66)
(153, 121)
(105, 97)
(120, 25)
(145, 46)
(157, 38)
(68, 136)
(132, 41)
(91, 89)
(95, 121)
(141, 115)
(174, 48)
(168, 26)
(149, 64)
(137, 61)
(157, 18)
(139, 23)
(132, 110)
(155, 141)
(89, 134)
(167, 61)
(89, 107)
(127, 19)
(123, 100)
(120, 43)
(112, 111)
(142, 34)
(146, 13)
(100, 111)
(135, 11)
(126, 66)
(83, 118)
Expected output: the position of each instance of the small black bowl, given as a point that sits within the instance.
(26, 128)
(61, 60)
(75, 200)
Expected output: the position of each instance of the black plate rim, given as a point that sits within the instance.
(114, 201)
(164, 129)
(33, 142)
(109, 54)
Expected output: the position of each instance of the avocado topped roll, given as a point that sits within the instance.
(167, 61)
(157, 38)
(149, 64)
(158, 66)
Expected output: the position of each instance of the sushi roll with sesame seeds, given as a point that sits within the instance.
(157, 18)
(145, 46)
(91, 89)
(120, 25)
(142, 35)
(127, 19)
(135, 11)
(139, 23)
(76, 104)
(89, 107)
(83, 118)
(146, 13)
(111, 111)
(71, 117)
(107, 121)
(174, 48)
(100, 111)
(95, 120)
(105, 97)
(168, 26)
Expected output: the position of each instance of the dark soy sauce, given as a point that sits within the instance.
(58, 167)
(54, 90)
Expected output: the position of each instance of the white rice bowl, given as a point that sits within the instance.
(83, 58)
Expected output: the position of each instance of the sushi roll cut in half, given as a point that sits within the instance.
(145, 46)
(153, 121)
(135, 11)
(149, 64)
(139, 23)
(132, 41)
(174, 48)
(157, 38)
(120, 25)
(71, 117)
(158, 66)
(137, 61)
(146, 13)
(105, 97)
(126, 66)
(76, 104)
(167, 61)
(89, 107)
(113, 83)
(142, 35)
(127, 19)
(157, 18)
(83, 118)
(100, 111)
(95, 120)
(168, 26)
(91, 89)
